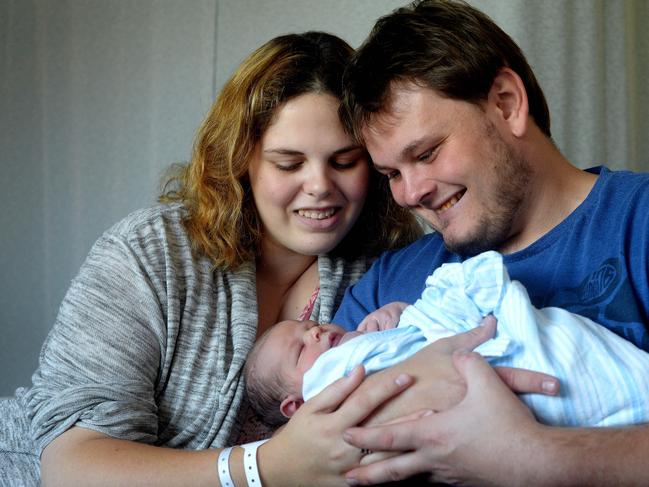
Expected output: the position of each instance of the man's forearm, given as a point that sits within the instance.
(587, 456)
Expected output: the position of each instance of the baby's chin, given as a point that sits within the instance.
(348, 336)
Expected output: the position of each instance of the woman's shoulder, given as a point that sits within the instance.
(155, 237)
(337, 268)
(163, 217)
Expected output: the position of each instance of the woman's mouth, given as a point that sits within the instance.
(320, 219)
(321, 214)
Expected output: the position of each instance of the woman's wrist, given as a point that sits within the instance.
(239, 466)
(267, 464)
(250, 466)
(271, 466)
(223, 467)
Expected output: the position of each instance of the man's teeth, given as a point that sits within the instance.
(317, 214)
(449, 203)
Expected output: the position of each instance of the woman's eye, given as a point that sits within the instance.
(288, 167)
(344, 164)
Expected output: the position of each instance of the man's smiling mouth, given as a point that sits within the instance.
(451, 201)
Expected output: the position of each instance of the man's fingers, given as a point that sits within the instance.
(410, 417)
(360, 406)
(523, 380)
(472, 338)
(377, 456)
(335, 394)
(477, 373)
(398, 436)
(390, 470)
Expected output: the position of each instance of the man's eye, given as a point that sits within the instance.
(429, 154)
(392, 175)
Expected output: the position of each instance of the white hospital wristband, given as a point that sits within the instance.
(250, 463)
(223, 467)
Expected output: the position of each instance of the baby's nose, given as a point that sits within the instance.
(316, 333)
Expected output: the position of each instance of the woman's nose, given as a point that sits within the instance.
(318, 183)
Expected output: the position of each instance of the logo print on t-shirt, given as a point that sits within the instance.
(595, 289)
(606, 297)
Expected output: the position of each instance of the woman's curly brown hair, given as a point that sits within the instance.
(222, 220)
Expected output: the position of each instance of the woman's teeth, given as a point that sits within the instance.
(316, 214)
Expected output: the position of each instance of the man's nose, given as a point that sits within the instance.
(417, 191)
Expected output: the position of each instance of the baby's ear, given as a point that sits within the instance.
(290, 404)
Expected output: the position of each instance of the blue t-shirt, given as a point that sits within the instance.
(594, 263)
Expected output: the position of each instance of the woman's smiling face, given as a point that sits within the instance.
(308, 177)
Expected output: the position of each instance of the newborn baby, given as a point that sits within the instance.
(605, 378)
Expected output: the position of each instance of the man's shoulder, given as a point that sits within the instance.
(622, 182)
(431, 243)
(616, 197)
(410, 266)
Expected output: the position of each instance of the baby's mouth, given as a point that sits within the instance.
(348, 336)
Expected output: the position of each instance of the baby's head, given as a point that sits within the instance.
(276, 365)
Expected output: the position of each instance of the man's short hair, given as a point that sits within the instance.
(446, 45)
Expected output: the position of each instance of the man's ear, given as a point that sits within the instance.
(290, 404)
(509, 99)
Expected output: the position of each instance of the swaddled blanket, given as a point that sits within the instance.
(604, 378)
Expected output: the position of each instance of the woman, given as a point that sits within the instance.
(276, 213)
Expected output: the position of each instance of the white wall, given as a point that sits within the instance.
(99, 96)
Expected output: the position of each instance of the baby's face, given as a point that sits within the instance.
(293, 346)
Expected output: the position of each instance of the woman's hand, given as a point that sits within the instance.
(310, 449)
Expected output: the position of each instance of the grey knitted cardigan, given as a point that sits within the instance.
(148, 345)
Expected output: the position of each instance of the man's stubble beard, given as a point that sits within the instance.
(512, 176)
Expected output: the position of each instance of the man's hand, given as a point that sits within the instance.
(464, 444)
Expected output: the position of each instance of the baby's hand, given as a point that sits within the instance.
(385, 317)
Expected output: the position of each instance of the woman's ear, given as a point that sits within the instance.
(508, 98)
(290, 404)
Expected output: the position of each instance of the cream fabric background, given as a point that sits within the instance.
(99, 96)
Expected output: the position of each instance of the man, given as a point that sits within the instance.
(453, 116)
